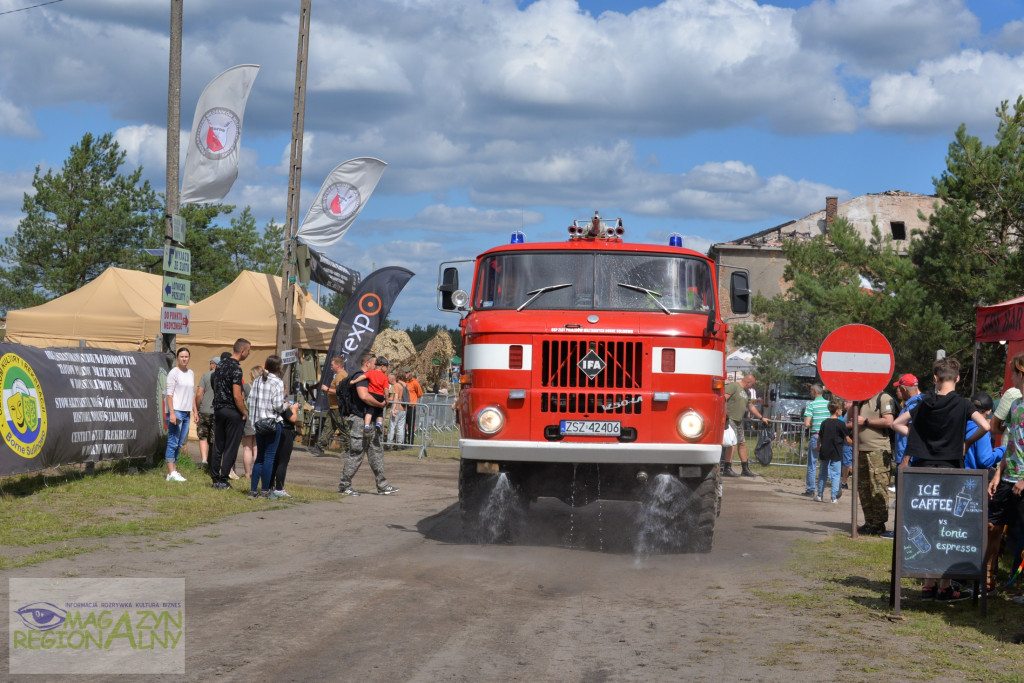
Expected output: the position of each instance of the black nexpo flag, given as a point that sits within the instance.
(360, 321)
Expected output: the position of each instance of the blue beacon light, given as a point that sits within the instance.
(675, 240)
(517, 238)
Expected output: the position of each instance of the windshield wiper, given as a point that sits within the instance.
(537, 292)
(649, 292)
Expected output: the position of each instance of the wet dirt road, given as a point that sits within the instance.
(385, 588)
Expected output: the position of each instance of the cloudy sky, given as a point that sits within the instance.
(711, 118)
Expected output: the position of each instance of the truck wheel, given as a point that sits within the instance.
(471, 499)
(704, 506)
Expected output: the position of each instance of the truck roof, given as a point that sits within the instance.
(597, 245)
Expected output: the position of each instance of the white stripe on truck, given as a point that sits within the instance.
(493, 356)
(692, 361)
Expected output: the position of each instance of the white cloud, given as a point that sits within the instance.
(16, 121)
(941, 94)
(883, 35)
(145, 146)
(1010, 37)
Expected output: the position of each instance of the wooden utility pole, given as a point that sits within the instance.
(286, 322)
(173, 135)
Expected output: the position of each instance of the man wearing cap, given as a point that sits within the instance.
(364, 442)
(908, 394)
(204, 406)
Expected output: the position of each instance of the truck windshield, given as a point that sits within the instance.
(600, 281)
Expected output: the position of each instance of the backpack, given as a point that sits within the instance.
(349, 402)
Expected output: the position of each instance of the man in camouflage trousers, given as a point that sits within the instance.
(874, 459)
(360, 445)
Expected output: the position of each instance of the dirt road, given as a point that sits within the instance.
(384, 588)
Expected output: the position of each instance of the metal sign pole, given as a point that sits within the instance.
(856, 464)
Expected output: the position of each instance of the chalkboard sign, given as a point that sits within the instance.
(941, 525)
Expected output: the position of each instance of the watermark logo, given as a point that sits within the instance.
(41, 616)
(23, 427)
(90, 626)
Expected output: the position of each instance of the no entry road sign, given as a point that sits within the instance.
(856, 362)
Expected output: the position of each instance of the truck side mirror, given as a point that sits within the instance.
(739, 292)
(449, 284)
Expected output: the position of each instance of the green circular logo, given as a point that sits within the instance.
(24, 410)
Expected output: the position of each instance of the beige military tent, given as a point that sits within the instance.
(248, 309)
(118, 310)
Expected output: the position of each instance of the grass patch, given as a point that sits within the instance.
(47, 515)
(849, 579)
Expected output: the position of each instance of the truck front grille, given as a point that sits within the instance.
(607, 404)
(623, 364)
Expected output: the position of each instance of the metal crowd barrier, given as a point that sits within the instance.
(790, 445)
(434, 425)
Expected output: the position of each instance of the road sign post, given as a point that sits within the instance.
(176, 291)
(173, 320)
(855, 362)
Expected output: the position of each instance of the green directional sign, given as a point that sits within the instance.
(177, 260)
(176, 291)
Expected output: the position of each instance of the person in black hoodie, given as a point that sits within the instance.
(935, 429)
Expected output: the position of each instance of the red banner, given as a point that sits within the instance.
(1003, 322)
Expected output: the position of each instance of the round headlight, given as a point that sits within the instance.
(691, 425)
(460, 298)
(490, 420)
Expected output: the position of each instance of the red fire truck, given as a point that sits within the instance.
(591, 369)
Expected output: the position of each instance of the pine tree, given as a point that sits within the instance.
(78, 222)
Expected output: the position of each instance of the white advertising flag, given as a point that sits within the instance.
(342, 197)
(211, 163)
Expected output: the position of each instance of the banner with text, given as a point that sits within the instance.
(71, 405)
(360, 321)
(332, 275)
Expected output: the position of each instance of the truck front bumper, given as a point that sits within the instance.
(581, 452)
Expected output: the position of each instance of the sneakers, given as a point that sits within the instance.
(891, 489)
(387, 490)
(871, 530)
(349, 492)
(887, 534)
(817, 498)
(835, 501)
(928, 592)
(221, 485)
(809, 493)
(844, 485)
(954, 594)
(253, 494)
(232, 475)
(315, 451)
(281, 493)
(176, 476)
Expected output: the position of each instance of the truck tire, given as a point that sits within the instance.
(704, 506)
(471, 499)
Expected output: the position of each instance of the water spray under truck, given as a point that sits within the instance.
(593, 369)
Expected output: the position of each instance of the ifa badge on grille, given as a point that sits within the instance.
(591, 364)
